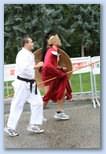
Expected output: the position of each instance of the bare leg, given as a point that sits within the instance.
(59, 104)
(60, 115)
(45, 91)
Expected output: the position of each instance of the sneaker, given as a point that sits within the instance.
(61, 116)
(35, 129)
(10, 132)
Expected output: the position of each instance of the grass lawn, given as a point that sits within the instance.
(85, 78)
(75, 81)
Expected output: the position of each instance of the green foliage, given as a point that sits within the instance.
(77, 25)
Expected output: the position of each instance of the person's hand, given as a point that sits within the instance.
(64, 68)
(38, 65)
(59, 67)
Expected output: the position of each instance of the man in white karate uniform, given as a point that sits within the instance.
(25, 90)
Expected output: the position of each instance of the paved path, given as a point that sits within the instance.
(81, 131)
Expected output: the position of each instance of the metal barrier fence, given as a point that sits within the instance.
(92, 66)
(81, 66)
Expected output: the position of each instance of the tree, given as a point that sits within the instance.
(87, 26)
(77, 25)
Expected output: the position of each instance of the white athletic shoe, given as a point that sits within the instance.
(10, 132)
(35, 129)
(61, 116)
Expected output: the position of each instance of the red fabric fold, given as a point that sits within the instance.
(56, 87)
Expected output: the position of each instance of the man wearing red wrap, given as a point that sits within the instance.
(56, 87)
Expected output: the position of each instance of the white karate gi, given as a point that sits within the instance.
(25, 69)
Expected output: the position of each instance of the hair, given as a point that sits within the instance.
(45, 43)
(25, 40)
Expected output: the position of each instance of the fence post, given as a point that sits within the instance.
(81, 85)
(94, 78)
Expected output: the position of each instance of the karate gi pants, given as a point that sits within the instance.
(21, 95)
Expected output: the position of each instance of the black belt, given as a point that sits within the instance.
(30, 81)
